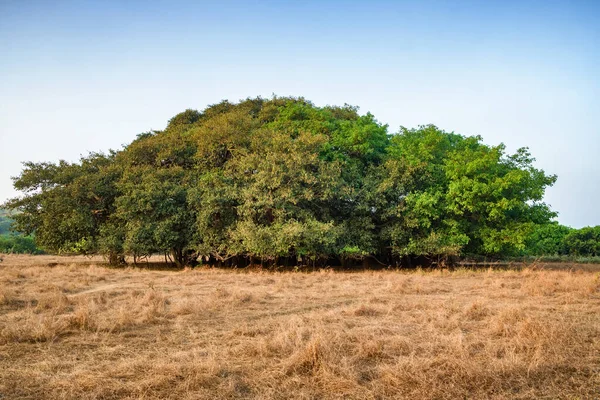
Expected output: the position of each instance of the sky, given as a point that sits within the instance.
(81, 76)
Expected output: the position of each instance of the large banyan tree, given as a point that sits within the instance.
(281, 181)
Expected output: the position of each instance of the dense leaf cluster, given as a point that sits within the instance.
(13, 242)
(555, 239)
(18, 244)
(281, 181)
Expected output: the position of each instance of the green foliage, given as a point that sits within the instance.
(281, 181)
(282, 191)
(18, 244)
(66, 204)
(548, 240)
(5, 222)
(445, 194)
(14, 242)
(553, 239)
(583, 242)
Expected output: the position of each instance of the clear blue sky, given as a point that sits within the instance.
(89, 75)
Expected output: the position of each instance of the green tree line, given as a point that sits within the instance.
(13, 242)
(555, 239)
(282, 181)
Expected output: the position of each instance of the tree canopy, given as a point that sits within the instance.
(282, 181)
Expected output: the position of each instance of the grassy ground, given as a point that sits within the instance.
(70, 328)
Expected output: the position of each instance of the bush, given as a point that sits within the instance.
(18, 244)
(584, 242)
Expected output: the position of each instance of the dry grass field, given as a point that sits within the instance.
(73, 329)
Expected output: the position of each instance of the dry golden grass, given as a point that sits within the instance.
(78, 330)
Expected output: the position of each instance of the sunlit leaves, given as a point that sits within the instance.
(282, 179)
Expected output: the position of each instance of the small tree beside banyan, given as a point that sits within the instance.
(283, 182)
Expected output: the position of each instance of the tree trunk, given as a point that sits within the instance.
(116, 259)
(178, 257)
